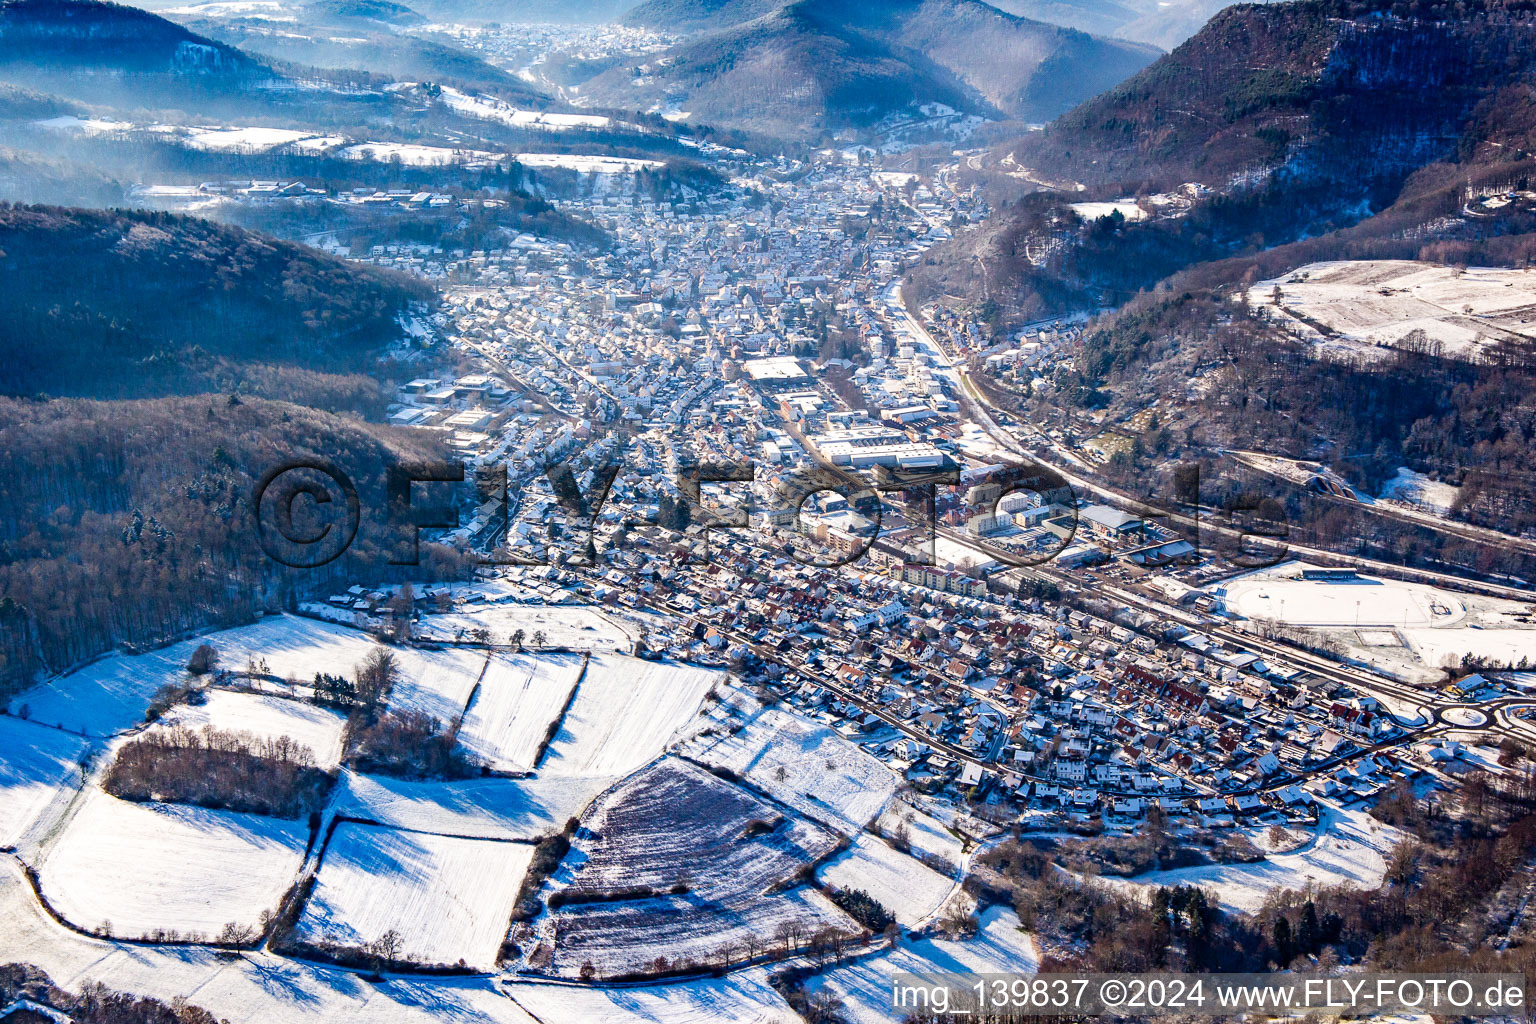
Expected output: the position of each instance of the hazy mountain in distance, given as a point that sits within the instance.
(386, 12)
(359, 35)
(110, 55)
(1158, 23)
(814, 65)
(33, 178)
(587, 12)
(698, 15)
(92, 36)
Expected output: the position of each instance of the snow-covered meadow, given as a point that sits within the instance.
(132, 869)
(478, 808)
(905, 886)
(266, 717)
(1348, 847)
(865, 984)
(110, 694)
(38, 766)
(805, 765)
(625, 712)
(518, 698)
(449, 898)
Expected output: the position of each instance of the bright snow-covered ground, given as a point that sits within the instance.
(160, 866)
(926, 834)
(1418, 489)
(519, 697)
(906, 887)
(437, 683)
(491, 109)
(248, 140)
(479, 808)
(584, 164)
(577, 628)
(1442, 647)
(1348, 848)
(1370, 303)
(418, 156)
(1361, 602)
(865, 984)
(110, 695)
(37, 766)
(449, 898)
(805, 765)
(1093, 211)
(266, 717)
(257, 988)
(625, 712)
(744, 998)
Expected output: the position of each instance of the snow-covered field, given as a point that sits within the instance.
(805, 765)
(584, 164)
(744, 998)
(626, 936)
(574, 627)
(1371, 303)
(1441, 647)
(518, 699)
(257, 988)
(625, 712)
(243, 140)
(144, 867)
(266, 717)
(675, 824)
(1349, 848)
(437, 683)
(1418, 489)
(491, 109)
(909, 889)
(110, 695)
(1361, 602)
(926, 834)
(1126, 207)
(477, 808)
(417, 156)
(37, 766)
(865, 984)
(449, 898)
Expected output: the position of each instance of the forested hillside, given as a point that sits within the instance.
(1301, 119)
(1327, 131)
(129, 521)
(113, 304)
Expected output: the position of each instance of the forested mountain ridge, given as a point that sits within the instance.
(1301, 118)
(1327, 131)
(1323, 87)
(96, 35)
(129, 520)
(115, 304)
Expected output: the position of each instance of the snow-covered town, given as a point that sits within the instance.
(776, 563)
